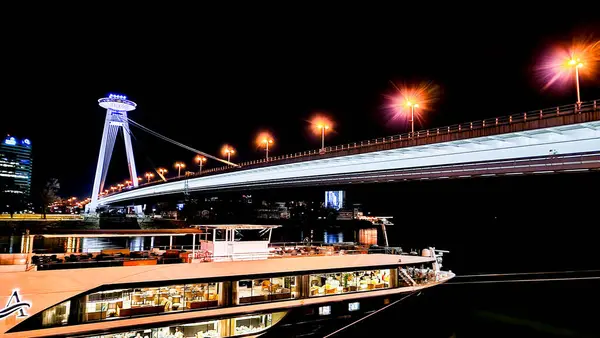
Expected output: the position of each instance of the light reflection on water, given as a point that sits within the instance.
(333, 237)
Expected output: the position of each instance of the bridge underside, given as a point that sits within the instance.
(541, 165)
(565, 148)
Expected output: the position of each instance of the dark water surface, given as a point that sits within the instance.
(499, 225)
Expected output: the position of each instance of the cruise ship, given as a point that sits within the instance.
(232, 283)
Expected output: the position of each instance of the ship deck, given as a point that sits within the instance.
(133, 274)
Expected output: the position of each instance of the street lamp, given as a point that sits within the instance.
(227, 150)
(200, 160)
(120, 186)
(162, 172)
(412, 116)
(321, 124)
(149, 176)
(323, 127)
(128, 182)
(266, 141)
(577, 64)
(179, 165)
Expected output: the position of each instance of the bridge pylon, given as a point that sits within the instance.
(116, 120)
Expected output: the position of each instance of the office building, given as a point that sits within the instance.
(15, 175)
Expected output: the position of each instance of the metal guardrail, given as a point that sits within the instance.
(202, 257)
(534, 115)
(49, 217)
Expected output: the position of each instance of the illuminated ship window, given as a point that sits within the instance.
(325, 310)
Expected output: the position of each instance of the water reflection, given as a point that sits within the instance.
(333, 237)
(367, 236)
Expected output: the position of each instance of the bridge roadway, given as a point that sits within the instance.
(559, 139)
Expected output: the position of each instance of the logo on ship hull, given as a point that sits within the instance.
(13, 305)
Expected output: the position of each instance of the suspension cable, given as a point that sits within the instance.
(150, 131)
(128, 130)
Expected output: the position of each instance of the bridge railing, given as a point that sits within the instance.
(542, 114)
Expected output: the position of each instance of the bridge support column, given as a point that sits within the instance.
(116, 119)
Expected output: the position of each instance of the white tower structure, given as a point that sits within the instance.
(117, 107)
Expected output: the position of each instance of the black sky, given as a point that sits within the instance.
(219, 78)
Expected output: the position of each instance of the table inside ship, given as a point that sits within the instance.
(336, 283)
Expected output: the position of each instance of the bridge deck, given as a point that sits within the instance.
(515, 144)
(552, 117)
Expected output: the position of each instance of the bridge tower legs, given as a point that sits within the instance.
(116, 120)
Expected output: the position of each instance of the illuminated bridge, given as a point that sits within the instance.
(559, 139)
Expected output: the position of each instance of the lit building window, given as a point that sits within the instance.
(354, 306)
(325, 310)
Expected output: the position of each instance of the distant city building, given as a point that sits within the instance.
(15, 175)
(278, 211)
(345, 215)
(334, 199)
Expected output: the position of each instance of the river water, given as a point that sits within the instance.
(530, 305)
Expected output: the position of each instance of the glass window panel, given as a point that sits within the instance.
(325, 310)
(355, 306)
(317, 284)
(349, 283)
(251, 324)
(281, 288)
(201, 296)
(220, 235)
(56, 315)
(244, 291)
(107, 304)
(261, 290)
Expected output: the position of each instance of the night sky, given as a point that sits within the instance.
(221, 78)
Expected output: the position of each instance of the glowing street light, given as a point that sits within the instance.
(179, 165)
(227, 150)
(557, 65)
(162, 172)
(422, 95)
(577, 64)
(120, 186)
(128, 182)
(149, 176)
(264, 139)
(200, 160)
(412, 115)
(322, 124)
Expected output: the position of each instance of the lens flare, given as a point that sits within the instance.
(320, 122)
(227, 149)
(263, 138)
(404, 97)
(557, 66)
